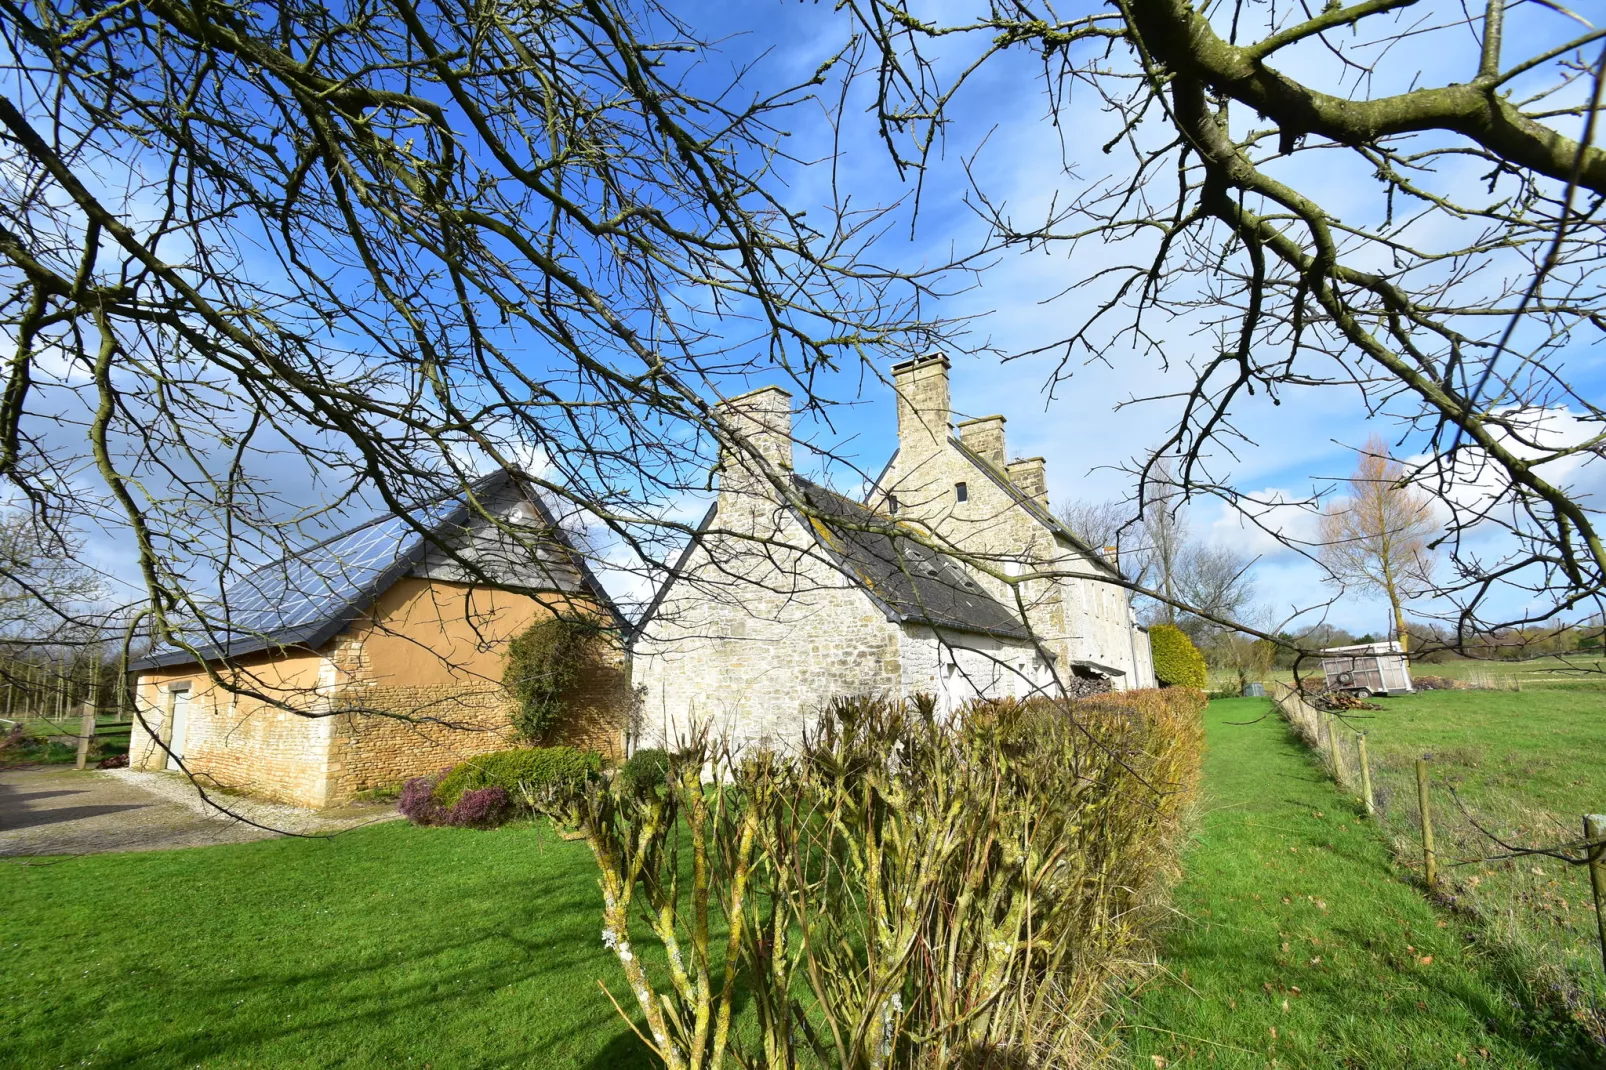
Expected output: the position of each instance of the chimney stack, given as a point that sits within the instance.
(984, 436)
(1027, 474)
(924, 407)
(763, 420)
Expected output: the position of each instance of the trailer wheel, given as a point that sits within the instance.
(1344, 679)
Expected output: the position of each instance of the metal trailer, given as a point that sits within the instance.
(1367, 669)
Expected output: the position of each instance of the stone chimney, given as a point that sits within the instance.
(1027, 474)
(763, 419)
(924, 407)
(985, 438)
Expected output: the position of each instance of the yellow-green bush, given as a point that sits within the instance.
(1177, 662)
(904, 890)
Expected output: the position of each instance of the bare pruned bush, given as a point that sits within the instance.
(902, 891)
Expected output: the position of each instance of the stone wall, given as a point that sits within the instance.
(1076, 615)
(752, 641)
(410, 687)
(239, 742)
(956, 668)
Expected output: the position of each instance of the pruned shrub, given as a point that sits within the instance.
(644, 772)
(480, 808)
(904, 889)
(543, 663)
(523, 774)
(418, 803)
(1177, 662)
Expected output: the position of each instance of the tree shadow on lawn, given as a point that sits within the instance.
(368, 1020)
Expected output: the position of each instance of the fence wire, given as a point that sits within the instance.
(1518, 870)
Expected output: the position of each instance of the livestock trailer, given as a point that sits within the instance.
(1367, 669)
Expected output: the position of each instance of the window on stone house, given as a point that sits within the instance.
(961, 492)
(892, 504)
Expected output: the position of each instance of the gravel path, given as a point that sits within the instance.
(49, 810)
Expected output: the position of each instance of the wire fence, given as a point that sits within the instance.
(1540, 889)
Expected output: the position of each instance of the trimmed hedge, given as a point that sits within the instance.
(645, 772)
(1177, 662)
(518, 771)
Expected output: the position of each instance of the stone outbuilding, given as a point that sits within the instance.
(790, 595)
(378, 655)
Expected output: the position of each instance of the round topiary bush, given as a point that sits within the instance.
(645, 772)
(1177, 662)
(543, 663)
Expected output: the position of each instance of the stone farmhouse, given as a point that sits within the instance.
(378, 655)
(784, 601)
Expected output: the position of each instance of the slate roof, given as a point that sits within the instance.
(913, 583)
(304, 599)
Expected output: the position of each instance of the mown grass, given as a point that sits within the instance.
(1298, 944)
(389, 946)
(1525, 767)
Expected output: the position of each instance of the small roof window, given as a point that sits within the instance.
(961, 492)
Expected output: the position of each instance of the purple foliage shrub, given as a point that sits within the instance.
(418, 802)
(481, 808)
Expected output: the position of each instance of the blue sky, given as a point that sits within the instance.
(1297, 448)
(1002, 132)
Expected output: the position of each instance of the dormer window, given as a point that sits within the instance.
(961, 492)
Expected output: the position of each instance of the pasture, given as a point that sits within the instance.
(1575, 672)
(1514, 767)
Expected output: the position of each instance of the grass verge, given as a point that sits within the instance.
(389, 946)
(1298, 945)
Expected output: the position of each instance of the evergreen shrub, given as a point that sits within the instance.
(1177, 662)
(644, 772)
(520, 773)
(543, 663)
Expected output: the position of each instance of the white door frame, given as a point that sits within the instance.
(178, 718)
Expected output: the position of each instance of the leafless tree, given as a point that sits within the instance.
(1443, 298)
(1378, 538)
(267, 270)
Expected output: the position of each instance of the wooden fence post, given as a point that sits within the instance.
(1430, 863)
(1366, 775)
(1595, 829)
(1340, 766)
(86, 732)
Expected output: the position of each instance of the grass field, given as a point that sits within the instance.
(1299, 945)
(1299, 941)
(390, 946)
(1526, 766)
(1573, 673)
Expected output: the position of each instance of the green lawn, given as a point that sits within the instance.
(1525, 766)
(390, 946)
(1298, 943)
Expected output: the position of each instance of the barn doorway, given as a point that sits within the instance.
(178, 722)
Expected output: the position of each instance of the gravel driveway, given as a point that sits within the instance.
(52, 810)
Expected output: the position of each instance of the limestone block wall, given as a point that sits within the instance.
(410, 687)
(754, 640)
(957, 668)
(1075, 617)
(238, 742)
(430, 728)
